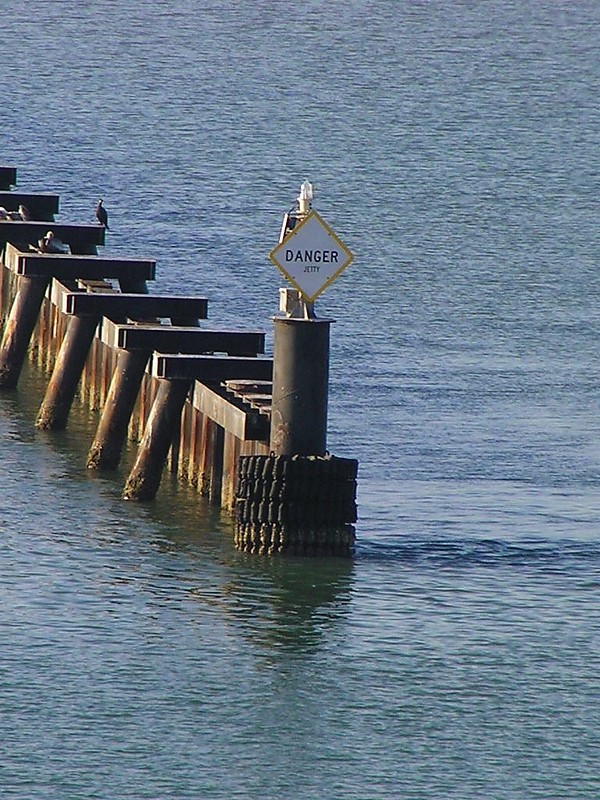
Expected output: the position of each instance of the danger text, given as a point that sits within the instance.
(312, 256)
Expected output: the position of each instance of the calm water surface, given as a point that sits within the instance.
(455, 149)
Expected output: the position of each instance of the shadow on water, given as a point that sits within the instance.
(538, 555)
(275, 602)
(289, 603)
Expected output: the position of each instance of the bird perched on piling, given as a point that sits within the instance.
(50, 244)
(21, 214)
(101, 214)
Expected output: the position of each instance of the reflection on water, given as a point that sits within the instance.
(276, 603)
(289, 604)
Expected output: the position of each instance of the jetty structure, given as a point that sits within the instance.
(246, 430)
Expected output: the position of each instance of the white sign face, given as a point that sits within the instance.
(311, 256)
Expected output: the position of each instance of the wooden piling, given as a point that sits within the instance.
(144, 478)
(231, 454)
(205, 456)
(216, 478)
(195, 432)
(94, 385)
(183, 445)
(38, 350)
(107, 446)
(55, 408)
(18, 329)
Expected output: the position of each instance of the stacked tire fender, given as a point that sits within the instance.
(296, 504)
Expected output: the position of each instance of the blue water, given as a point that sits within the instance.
(454, 147)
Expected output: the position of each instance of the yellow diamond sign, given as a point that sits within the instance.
(311, 256)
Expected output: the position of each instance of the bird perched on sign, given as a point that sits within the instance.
(101, 214)
(24, 213)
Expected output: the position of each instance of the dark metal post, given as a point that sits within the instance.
(22, 319)
(300, 386)
(55, 408)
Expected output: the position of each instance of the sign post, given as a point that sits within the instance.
(300, 498)
(311, 257)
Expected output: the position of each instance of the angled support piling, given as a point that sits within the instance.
(55, 408)
(107, 447)
(165, 415)
(21, 321)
